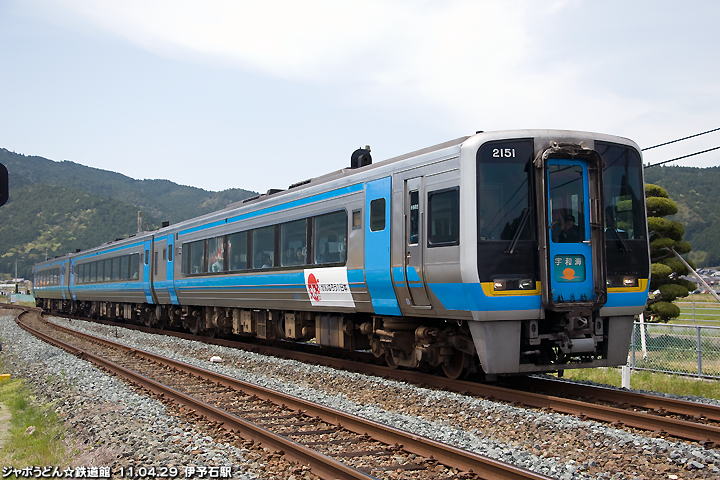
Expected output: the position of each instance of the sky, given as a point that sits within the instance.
(256, 95)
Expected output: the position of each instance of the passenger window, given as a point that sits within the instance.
(170, 253)
(293, 243)
(93, 272)
(108, 269)
(264, 247)
(124, 264)
(135, 266)
(444, 218)
(330, 238)
(195, 256)
(116, 268)
(147, 256)
(86, 273)
(237, 251)
(357, 219)
(216, 254)
(377, 215)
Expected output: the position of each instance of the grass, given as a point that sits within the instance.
(643, 380)
(45, 445)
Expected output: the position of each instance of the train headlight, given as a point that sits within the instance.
(499, 285)
(629, 281)
(526, 284)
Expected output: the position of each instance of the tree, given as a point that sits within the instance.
(666, 269)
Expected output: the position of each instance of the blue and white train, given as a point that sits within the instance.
(513, 251)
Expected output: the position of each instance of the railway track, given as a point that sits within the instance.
(663, 416)
(333, 443)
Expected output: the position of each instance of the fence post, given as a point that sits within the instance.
(699, 350)
(643, 342)
(633, 346)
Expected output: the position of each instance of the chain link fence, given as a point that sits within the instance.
(678, 349)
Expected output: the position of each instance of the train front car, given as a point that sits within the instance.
(557, 267)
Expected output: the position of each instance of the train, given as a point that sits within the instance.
(501, 253)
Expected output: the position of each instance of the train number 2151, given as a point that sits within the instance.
(504, 152)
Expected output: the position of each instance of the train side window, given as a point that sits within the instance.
(293, 238)
(135, 266)
(108, 270)
(237, 251)
(147, 257)
(93, 272)
(100, 270)
(156, 261)
(116, 268)
(195, 252)
(264, 247)
(216, 254)
(377, 215)
(170, 252)
(330, 237)
(164, 254)
(444, 218)
(357, 219)
(86, 273)
(124, 267)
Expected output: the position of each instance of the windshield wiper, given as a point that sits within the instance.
(624, 246)
(513, 243)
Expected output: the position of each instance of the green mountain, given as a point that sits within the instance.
(697, 194)
(57, 207)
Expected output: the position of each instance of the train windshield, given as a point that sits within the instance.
(505, 212)
(623, 192)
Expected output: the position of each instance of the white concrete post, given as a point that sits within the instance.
(626, 376)
(643, 344)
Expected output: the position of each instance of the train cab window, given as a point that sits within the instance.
(93, 272)
(330, 237)
(293, 243)
(377, 215)
(237, 251)
(567, 201)
(116, 268)
(124, 267)
(216, 254)
(503, 190)
(414, 218)
(135, 266)
(444, 218)
(108, 270)
(195, 252)
(263, 242)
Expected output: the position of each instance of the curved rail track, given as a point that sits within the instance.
(303, 431)
(664, 416)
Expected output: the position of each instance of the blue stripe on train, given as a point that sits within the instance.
(470, 297)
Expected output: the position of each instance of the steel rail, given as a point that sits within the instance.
(484, 467)
(650, 402)
(641, 420)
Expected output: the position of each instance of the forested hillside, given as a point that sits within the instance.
(697, 194)
(57, 207)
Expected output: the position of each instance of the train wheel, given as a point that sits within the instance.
(457, 369)
(390, 360)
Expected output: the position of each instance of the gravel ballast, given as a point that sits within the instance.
(557, 445)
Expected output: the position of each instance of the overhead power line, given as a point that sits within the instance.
(679, 140)
(684, 156)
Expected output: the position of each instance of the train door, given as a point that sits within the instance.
(377, 246)
(63, 265)
(71, 287)
(159, 263)
(414, 241)
(147, 272)
(571, 251)
(170, 269)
